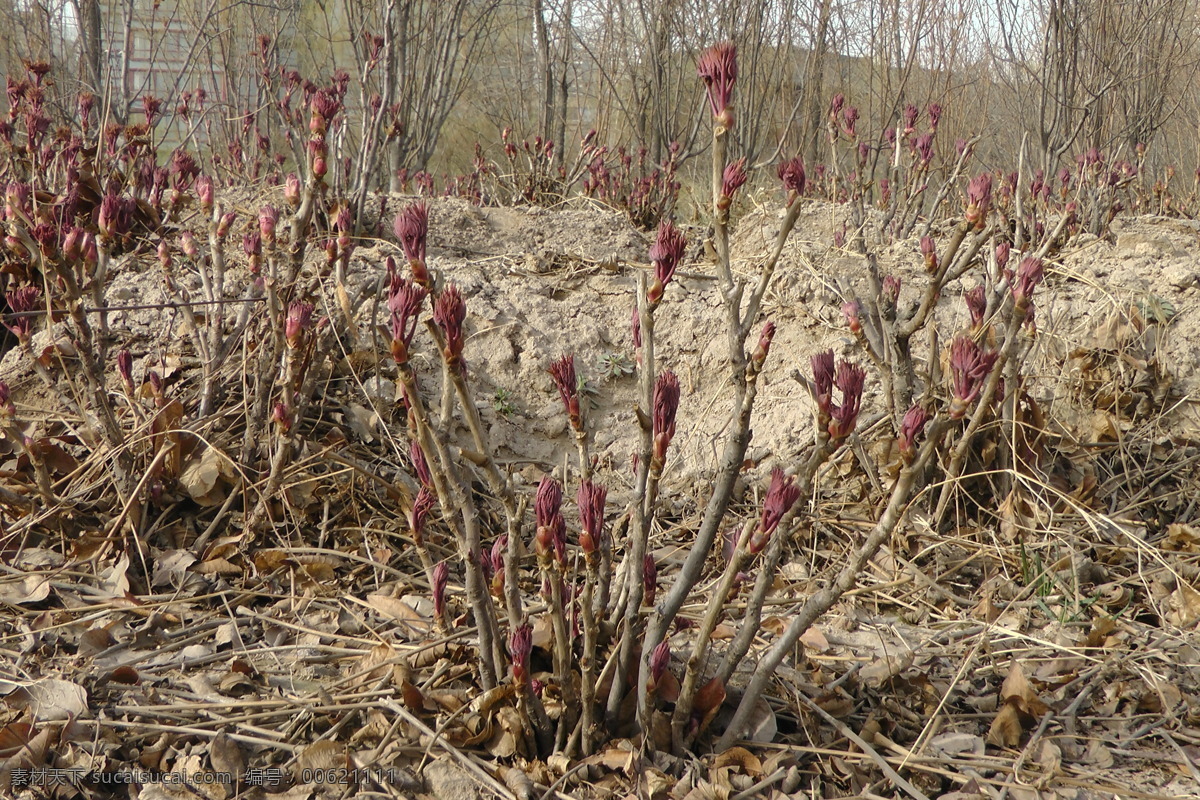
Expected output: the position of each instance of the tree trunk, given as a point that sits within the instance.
(814, 84)
(91, 48)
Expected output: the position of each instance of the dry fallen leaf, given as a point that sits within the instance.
(26, 589)
(741, 759)
(48, 699)
(398, 610)
(956, 743)
(886, 667)
(1006, 729)
(814, 640)
(226, 756)
(969, 791)
(319, 757)
(1018, 691)
(1185, 606)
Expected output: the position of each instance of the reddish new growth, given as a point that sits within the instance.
(204, 191)
(417, 516)
(850, 379)
(850, 117)
(660, 659)
(1002, 252)
(405, 299)
(823, 369)
(851, 312)
(291, 189)
(299, 319)
(23, 302)
(835, 106)
(563, 374)
(325, 107)
(279, 414)
(791, 173)
(759, 356)
(891, 290)
(976, 306)
(497, 565)
(449, 312)
(115, 217)
(781, 496)
(979, 200)
(268, 218)
(441, 577)
(420, 466)
(923, 148)
(935, 115)
(911, 428)
(666, 404)
(591, 498)
(929, 252)
(412, 228)
(6, 407)
(665, 255)
(520, 644)
(969, 366)
(718, 69)
(732, 179)
(551, 537)
(1029, 275)
(125, 368)
(649, 580)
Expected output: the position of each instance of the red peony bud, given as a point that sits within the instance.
(823, 369)
(405, 300)
(441, 577)
(660, 659)
(976, 306)
(125, 368)
(449, 312)
(291, 190)
(979, 199)
(781, 496)
(420, 465)
(417, 516)
(929, 251)
(590, 499)
(718, 69)
(666, 404)
(665, 255)
(299, 319)
(649, 580)
(551, 536)
(520, 645)
(563, 374)
(849, 380)
(759, 356)
(1029, 275)
(204, 191)
(732, 179)
(911, 428)
(791, 173)
(969, 367)
(412, 229)
(268, 218)
(187, 243)
(22, 302)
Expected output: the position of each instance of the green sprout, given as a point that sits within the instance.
(502, 402)
(614, 365)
